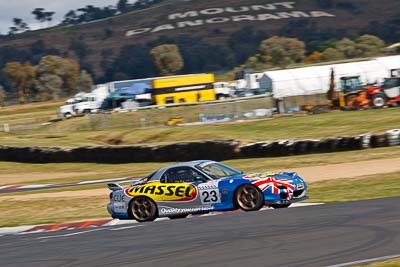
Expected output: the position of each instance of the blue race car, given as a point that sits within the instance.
(202, 186)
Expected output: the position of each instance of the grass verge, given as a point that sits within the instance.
(366, 187)
(124, 129)
(388, 263)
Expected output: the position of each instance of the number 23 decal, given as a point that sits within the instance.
(210, 196)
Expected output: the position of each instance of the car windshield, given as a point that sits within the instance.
(217, 170)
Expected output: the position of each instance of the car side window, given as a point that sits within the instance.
(182, 175)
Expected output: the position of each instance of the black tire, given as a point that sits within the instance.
(249, 198)
(86, 112)
(143, 209)
(378, 100)
(280, 206)
(68, 115)
(182, 216)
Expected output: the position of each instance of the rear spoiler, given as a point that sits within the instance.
(114, 186)
(118, 186)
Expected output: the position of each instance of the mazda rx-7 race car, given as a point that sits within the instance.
(203, 186)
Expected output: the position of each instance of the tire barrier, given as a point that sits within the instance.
(379, 140)
(393, 137)
(365, 140)
(214, 150)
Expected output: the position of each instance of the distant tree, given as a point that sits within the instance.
(167, 59)
(85, 81)
(49, 87)
(281, 51)
(348, 48)
(122, 6)
(90, 13)
(19, 26)
(70, 18)
(39, 14)
(49, 16)
(369, 45)
(66, 69)
(331, 54)
(42, 16)
(313, 58)
(23, 78)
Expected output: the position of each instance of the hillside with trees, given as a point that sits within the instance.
(152, 38)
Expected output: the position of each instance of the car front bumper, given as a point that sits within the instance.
(286, 201)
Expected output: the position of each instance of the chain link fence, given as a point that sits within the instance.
(295, 103)
(220, 111)
(187, 114)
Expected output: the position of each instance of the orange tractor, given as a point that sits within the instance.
(378, 96)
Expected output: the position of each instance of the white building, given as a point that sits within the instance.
(316, 79)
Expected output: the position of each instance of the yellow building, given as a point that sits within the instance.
(184, 89)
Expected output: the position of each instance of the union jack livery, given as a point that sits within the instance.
(203, 186)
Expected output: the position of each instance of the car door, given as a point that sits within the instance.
(186, 177)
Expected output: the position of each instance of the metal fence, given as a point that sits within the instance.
(294, 103)
(192, 114)
(203, 113)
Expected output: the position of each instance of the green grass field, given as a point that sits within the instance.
(123, 129)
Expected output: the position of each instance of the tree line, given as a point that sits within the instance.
(52, 78)
(299, 41)
(81, 15)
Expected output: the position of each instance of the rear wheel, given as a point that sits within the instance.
(143, 209)
(249, 198)
(378, 100)
(67, 115)
(279, 206)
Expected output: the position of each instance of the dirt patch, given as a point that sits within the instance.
(349, 170)
(65, 194)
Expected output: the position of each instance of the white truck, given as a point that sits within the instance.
(67, 111)
(222, 90)
(93, 101)
(84, 103)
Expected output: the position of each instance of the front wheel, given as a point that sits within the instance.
(143, 209)
(249, 198)
(378, 100)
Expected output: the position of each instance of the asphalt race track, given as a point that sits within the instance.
(321, 235)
